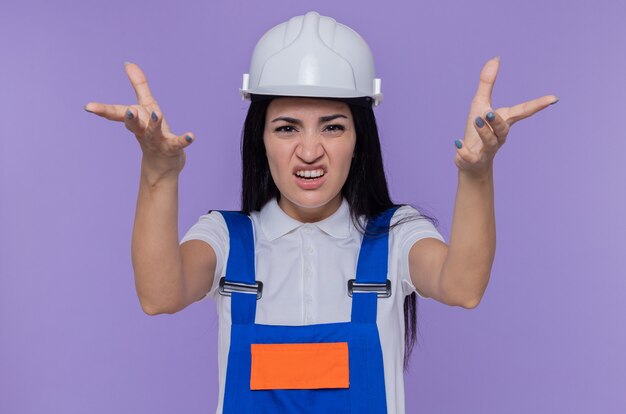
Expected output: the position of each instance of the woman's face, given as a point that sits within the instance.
(309, 144)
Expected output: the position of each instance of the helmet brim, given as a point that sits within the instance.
(364, 101)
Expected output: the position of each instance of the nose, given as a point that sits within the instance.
(310, 148)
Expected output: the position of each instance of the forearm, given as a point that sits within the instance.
(466, 270)
(155, 251)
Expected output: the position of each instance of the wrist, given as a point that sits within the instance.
(481, 176)
(154, 174)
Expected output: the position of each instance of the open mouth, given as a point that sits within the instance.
(310, 175)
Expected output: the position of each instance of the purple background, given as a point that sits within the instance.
(549, 335)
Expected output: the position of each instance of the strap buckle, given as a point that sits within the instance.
(383, 290)
(226, 288)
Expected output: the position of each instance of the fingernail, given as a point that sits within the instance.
(479, 121)
(154, 116)
(129, 114)
(490, 116)
(458, 144)
(188, 138)
(557, 99)
(127, 63)
(497, 58)
(85, 108)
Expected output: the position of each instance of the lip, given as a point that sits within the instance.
(309, 184)
(309, 168)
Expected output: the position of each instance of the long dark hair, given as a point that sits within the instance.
(365, 188)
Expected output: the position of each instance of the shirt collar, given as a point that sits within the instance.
(276, 223)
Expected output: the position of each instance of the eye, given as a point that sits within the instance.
(285, 128)
(335, 128)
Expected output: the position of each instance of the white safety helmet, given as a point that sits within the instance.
(312, 56)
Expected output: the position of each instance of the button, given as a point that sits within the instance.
(308, 230)
(308, 298)
(310, 249)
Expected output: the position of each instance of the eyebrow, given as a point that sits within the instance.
(322, 119)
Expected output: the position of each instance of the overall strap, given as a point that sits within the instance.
(372, 265)
(240, 266)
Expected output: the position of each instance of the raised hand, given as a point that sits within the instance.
(162, 150)
(487, 129)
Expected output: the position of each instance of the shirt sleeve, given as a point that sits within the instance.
(413, 228)
(212, 229)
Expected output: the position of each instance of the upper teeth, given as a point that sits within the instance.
(310, 173)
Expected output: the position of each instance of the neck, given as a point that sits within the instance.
(310, 214)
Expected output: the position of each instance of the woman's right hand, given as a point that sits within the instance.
(162, 150)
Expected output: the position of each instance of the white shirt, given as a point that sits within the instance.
(305, 268)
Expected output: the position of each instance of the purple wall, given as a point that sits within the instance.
(549, 335)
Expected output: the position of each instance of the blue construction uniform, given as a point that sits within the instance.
(365, 391)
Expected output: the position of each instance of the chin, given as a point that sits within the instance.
(311, 199)
(309, 202)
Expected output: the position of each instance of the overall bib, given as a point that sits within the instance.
(322, 368)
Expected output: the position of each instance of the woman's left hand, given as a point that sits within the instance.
(486, 129)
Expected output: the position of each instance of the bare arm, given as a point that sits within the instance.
(465, 273)
(459, 274)
(168, 277)
(156, 257)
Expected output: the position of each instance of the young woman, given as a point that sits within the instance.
(315, 279)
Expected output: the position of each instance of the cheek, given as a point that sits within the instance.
(344, 154)
(271, 160)
(277, 158)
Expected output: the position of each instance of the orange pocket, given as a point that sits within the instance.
(300, 366)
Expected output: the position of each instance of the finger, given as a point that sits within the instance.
(528, 108)
(498, 125)
(154, 123)
(464, 154)
(172, 144)
(140, 84)
(185, 140)
(110, 112)
(133, 120)
(489, 139)
(487, 80)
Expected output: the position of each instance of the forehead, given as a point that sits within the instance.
(306, 106)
